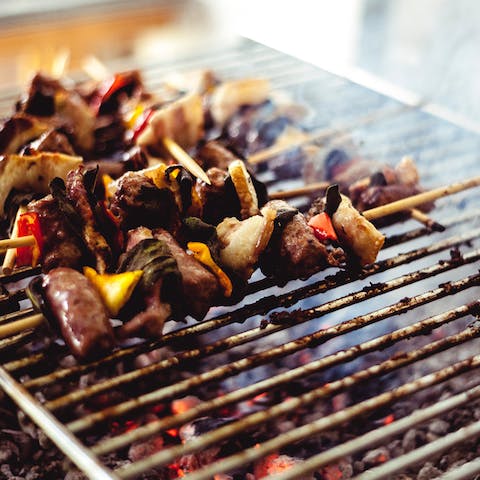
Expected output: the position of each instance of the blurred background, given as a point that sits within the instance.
(422, 49)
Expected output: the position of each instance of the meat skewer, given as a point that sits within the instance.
(38, 319)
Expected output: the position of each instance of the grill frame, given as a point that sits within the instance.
(376, 126)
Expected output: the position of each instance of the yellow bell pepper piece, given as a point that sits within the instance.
(202, 253)
(132, 117)
(114, 288)
(108, 184)
(157, 175)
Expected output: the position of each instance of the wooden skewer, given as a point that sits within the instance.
(33, 321)
(426, 220)
(9, 243)
(11, 254)
(185, 159)
(296, 192)
(420, 198)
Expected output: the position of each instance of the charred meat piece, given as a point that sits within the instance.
(150, 321)
(294, 251)
(61, 247)
(138, 202)
(79, 312)
(94, 240)
(200, 286)
(218, 200)
(214, 154)
(160, 286)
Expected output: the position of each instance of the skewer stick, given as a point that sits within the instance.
(419, 216)
(60, 63)
(182, 157)
(19, 326)
(296, 192)
(420, 198)
(10, 243)
(11, 254)
(95, 69)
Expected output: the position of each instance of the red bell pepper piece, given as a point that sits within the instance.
(322, 227)
(29, 224)
(143, 125)
(108, 89)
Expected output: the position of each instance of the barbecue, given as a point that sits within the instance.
(310, 376)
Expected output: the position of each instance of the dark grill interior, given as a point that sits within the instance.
(289, 351)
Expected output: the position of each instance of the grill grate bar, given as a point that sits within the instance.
(466, 471)
(291, 404)
(382, 434)
(68, 443)
(229, 342)
(276, 381)
(350, 414)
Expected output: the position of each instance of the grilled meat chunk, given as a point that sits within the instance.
(219, 199)
(61, 247)
(150, 321)
(214, 154)
(155, 310)
(94, 240)
(295, 252)
(78, 309)
(138, 202)
(200, 286)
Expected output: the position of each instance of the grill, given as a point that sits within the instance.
(402, 330)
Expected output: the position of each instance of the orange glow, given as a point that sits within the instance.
(175, 471)
(381, 458)
(388, 419)
(184, 404)
(173, 432)
(332, 472)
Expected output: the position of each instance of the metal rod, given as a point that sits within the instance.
(60, 435)
(291, 404)
(468, 470)
(381, 436)
(229, 342)
(268, 384)
(427, 451)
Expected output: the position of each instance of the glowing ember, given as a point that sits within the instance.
(184, 404)
(173, 432)
(275, 463)
(332, 472)
(388, 419)
(175, 471)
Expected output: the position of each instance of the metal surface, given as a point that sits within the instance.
(424, 289)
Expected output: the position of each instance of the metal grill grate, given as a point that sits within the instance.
(414, 311)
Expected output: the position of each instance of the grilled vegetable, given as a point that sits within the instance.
(29, 224)
(115, 289)
(356, 232)
(244, 188)
(242, 242)
(32, 172)
(322, 227)
(202, 253)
